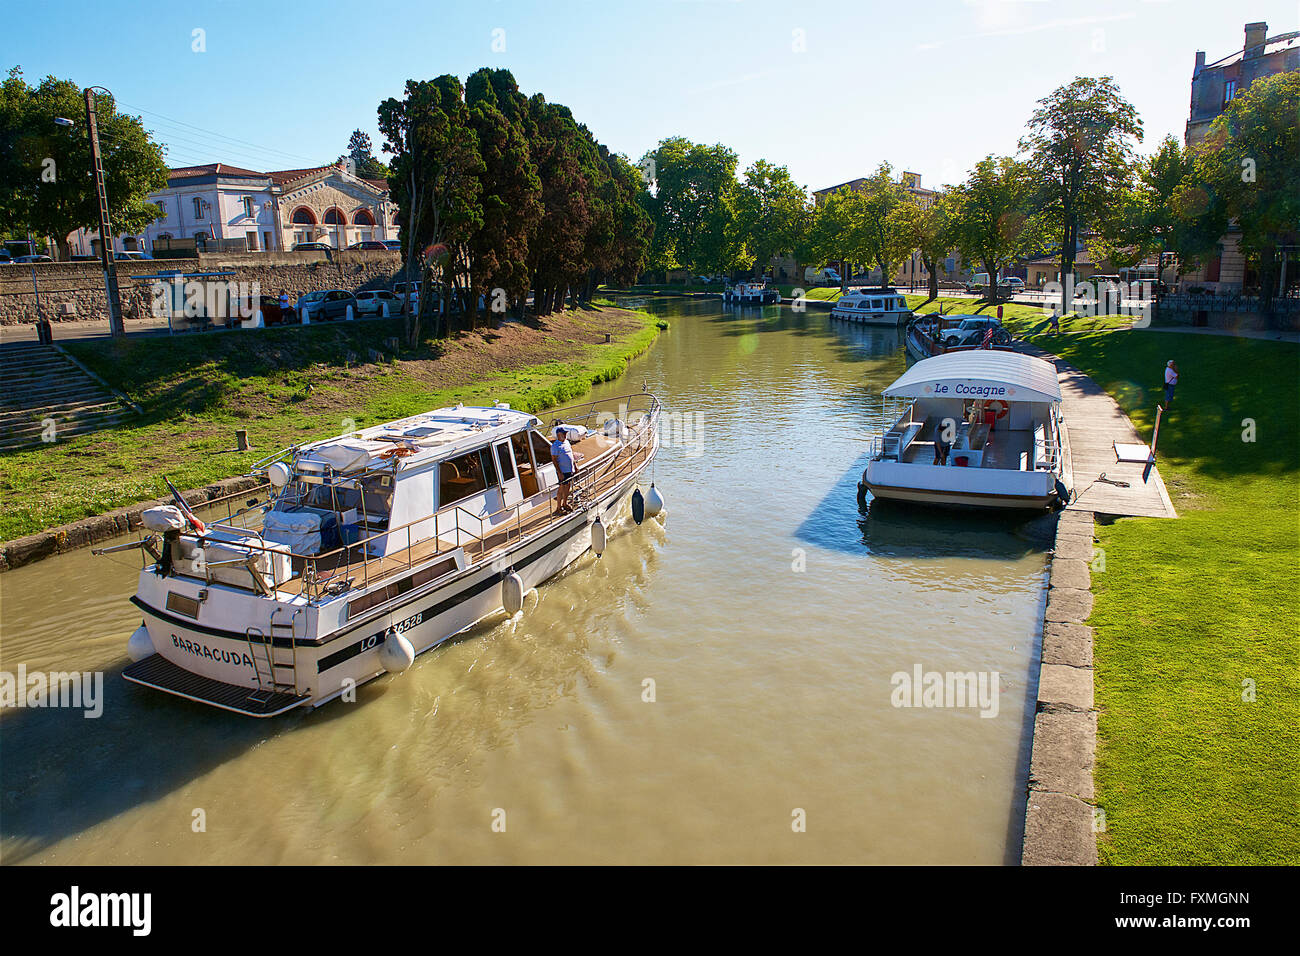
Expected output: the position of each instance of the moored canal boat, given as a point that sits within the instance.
(881, 305)
(977, 428)
(935, 334)
(375, 546)
(751, 292)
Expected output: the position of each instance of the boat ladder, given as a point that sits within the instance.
(275, 667)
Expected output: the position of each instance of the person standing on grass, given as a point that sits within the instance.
(1171, 380)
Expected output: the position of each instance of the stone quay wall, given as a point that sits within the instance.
(75, 290)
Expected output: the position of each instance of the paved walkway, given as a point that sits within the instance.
(1094, 423)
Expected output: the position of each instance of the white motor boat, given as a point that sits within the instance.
(980, 428)
(374, 547)
(752, 292)
(880, 305)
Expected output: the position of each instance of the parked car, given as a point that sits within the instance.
(394, 244)
(83, 258)
(327, 304)
(371, 302)
(373, 245)
(312, 247)
(407, 289)
(1097, 284)
(130, 256)
(1012, 284)
(972, 331)
(30, 259)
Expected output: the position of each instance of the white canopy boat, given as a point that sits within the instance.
(374, 547)
(981, 428)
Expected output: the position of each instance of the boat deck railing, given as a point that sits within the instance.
(353, 565)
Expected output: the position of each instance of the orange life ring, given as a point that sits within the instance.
(1001, 407)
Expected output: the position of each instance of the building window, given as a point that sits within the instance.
(1229, 91)
(362, 217)
(198, 208)
(333, 218)
(248, 207)
(302, 217)
(162, 208)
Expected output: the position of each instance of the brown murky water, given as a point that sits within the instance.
(769, 614)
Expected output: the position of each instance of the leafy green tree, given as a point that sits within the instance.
(45, 185)
(695, 207)
(558, 243)
(1249, 165)
(436, 181)
(1081, 155)
(770, 211)
(990, 222)
(930, 231)
(1165, 212)
(364, 163)
(511, 190)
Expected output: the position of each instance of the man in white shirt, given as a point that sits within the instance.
(1171, 380)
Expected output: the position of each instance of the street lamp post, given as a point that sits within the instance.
(105, 236)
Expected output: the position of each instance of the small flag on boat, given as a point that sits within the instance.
(190, 516)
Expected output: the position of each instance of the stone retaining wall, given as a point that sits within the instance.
(80, 285)
(1060, 820)
(88, 531)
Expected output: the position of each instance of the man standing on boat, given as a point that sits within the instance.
(562, 456)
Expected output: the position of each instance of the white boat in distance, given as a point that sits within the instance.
(878, 305)
(751, 292)
(374, 547)
(981, 428)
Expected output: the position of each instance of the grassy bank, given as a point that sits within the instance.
(1193, 616)
(292, 385)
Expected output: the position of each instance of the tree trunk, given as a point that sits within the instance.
(934, 277)
(993, 282)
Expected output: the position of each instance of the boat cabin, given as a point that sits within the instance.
(430, 475)
(882, 305)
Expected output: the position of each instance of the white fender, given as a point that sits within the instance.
(598, 537)
(396, 653)
(140, 644)
(654, 502)
(278, 475)
(512, 593)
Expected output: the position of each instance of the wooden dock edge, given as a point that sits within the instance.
(1061, 822)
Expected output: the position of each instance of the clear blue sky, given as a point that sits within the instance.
(283, 84)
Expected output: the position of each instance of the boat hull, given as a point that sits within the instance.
(214, 665)
(890, 319)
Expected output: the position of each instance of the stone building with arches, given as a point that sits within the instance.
(216, 206)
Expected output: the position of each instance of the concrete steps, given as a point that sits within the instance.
(39, 385)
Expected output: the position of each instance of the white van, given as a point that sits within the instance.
(826, 276)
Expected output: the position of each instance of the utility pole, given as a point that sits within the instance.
(115, 327)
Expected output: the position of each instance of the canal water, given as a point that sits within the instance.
(719, 687)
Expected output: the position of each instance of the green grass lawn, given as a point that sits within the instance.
(1192, 613)
(287, 386)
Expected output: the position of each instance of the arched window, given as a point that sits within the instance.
(362, 217)
(333, 217)
(302, 216)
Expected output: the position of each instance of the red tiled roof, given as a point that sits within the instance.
(281, 176)
(219, 169)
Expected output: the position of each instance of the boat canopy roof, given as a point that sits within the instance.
(980, 373)
(439, 434)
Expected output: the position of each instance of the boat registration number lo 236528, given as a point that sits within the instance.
(409, 623)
